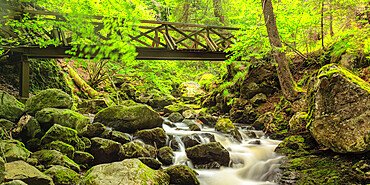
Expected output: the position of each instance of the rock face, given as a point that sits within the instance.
(129, 119)
(68, 118)
(182, 175)
(65, 134)
(20, 170)
(10, 108)
(50, 98)
(129, 171)
(207, 153)
(339, 111)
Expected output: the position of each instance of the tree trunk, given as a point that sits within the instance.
(285, 76)
(331, 19)
(367, 8)
(218, 10)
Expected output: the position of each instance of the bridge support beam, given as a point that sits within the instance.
(24, 78)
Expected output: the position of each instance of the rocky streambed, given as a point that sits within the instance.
(45, 142)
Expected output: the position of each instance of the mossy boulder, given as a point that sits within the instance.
(20, 170)
(129, 119)
(225, 125)
(62, 175)
(2, 170)
(7, 125)
(10, 108)
(104, 150)
(207, 119)
(296, 145)
(155, 137)
(93, 130)
(298, 122)
(62, 147)
(120, 137)
(182, 175)
(65, 117)
(339, 110)
(83, 158)
(92, 106)
(196, 139)
(180, 107)
(159, 102)
(65, 134)
(207, 153)
(166, 155)
(128, 171)
(175, 117)
(265, 118)
(14, 150)
(31, 130)
(15, 182)
(134, 149)
(151, 162)
(190, 90)
(53, 157)
(50, 98)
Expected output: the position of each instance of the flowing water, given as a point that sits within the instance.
(253, 160)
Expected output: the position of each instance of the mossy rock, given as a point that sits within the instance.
(207, 153)
(32, 130)
(53, 157)
(14, 150)
(7, 125)
(175, 117)
(296, 145)
(134, 149)
(65, 134)
(339, 111)
(151, 162)
(50, 98)
(120, 137)
(62, 175)
(20, 170)
(155, 137)
(93, 130)
(92, 106)
(15, 182)
(62, 147)
(129, 119)
(65, 117)
(104, 150)
(10, 108)
(182, 175)
(83, 158)
(166, 155)
(225, 125)
(190, 89)
(159, 102)
(2, 170)
(129, 171)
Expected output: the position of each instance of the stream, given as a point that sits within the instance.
(253, 160)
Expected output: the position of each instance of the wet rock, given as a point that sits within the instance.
(120, 137)
(129, 119)
(92, 130)
(207, 119)
(211, 165)
(20, 170)
(265, 118)
(189, 114)
(225, 125)
(255, 142)
(175, 117)
(182, 175)
(151, 162)
(10, 108)
(65, 117)
(207, 153)
(14, 150)
(53, 157)
(129, 171)
(134, 149)
(246, 114)
(168, 123)
(62, 175)
(166, 155)
(50, 98)
(339, 111)
(195, 139)
(83, 158)
(65, 134)
(155, 137)
(92, 106)
(62, 147)
(195, 128)
(104, 150)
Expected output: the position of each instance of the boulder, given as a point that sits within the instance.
(92, 130)
(259, 98)
(65, 134)
(92, 106)
(129, 119)
(225, 125)
(151, 162)
(207, 119)
(155, 137)
(14, 150)
(15, 182)
(62, 175)
(2, 170)
(175, 117)
(166, 155)
(134, 149)
(195, 128)
(20, 170)
(53, 157)
(120, 137)
(31, 130)
(159, 102)
(189, 114)
(65, 117)
(104, 150)
(339, 110)
(50, 98)
(83, 158)
(128, 171)
(207, 153)
(10, 108)
(7, 125)
(182, 175)
(62, 147)
(190, 90)
(196, 139)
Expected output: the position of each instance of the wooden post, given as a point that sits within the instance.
(24, 78)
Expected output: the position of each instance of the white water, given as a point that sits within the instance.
(251, 163)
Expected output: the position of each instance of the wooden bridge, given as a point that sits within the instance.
(155, 40)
